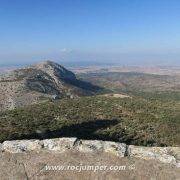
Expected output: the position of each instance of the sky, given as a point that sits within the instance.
(127, 32)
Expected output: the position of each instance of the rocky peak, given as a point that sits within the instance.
(41, 81)
(55, 70)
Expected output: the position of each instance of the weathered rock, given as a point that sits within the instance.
(163, 154)
(118, 149)
(59, 144)
(90, 146)
(175, 151)
(170, 155)
(31, 166)
(1, 147)
(21, 146)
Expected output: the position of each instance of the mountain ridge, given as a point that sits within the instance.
(44, 80)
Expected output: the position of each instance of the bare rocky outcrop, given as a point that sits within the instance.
(55, 70)
(169, 155)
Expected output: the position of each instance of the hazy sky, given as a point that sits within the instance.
(127, 31)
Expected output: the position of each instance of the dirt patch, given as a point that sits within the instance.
(117, 95)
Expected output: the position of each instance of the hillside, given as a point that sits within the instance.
(40, 82)
(130, 120)
(133, 81)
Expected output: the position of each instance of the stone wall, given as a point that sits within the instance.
(169, 155)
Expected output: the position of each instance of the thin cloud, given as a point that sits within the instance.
(65, 50)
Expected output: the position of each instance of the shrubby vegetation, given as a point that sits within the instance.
(163, 96)
(137, 120)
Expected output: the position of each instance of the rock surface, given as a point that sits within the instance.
(169, 155)
(33, 166)
(118, 149)
(21, 146)
(1, 147)
(59, 144)
(44, 159)
(90, 146)
(163, 154)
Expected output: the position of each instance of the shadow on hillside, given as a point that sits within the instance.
(85, 130)
(84, 85)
